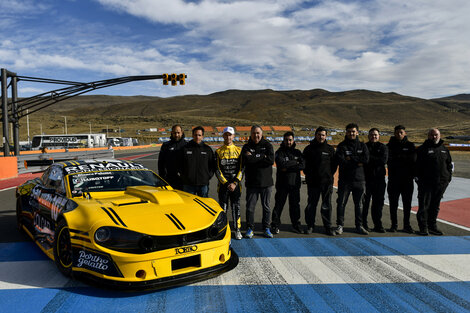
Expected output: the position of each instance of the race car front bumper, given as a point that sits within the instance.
(164, 282)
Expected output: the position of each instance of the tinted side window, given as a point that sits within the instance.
(55, 179)
(45, 176)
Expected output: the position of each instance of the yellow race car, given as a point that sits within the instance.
(119, 224)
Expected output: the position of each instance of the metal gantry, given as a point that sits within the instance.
(16, 109)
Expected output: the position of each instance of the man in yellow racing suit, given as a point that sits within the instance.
(229, 173)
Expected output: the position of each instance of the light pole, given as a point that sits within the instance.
(65, 124)
(27, 126)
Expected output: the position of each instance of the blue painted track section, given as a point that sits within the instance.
(453, 296)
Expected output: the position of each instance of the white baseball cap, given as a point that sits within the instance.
(229, 130)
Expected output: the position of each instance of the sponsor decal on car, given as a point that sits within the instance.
(55, 203)
(184, 250)
(103, 166)
(95, 261)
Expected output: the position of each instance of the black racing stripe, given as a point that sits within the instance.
(132, 203)
(80, 238)
(109, 214)
(174, 222)
(117, 216)
(206, 207)
(76, 231)
(178, 221)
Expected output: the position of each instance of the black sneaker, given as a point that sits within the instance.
(361, 230)
(275, 230)
(422, 232)
(366, 227)
(330, 232)
(308, 230)
(392, 229)
(379, 230)
(408, 229)
(435, 231)
(296, 229)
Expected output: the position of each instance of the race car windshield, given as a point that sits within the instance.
(112, 180)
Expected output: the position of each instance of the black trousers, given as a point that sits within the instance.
(429, 199)
(314, 193)
(293, 192)
(227, 197)
(375, 191)
(405, 189)
(344, 189)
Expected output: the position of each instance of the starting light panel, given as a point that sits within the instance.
(174, 78)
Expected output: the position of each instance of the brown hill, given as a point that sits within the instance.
(267, 107)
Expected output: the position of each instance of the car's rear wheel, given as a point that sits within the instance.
(63, 256)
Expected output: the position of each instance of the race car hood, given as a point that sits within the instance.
(150, 210)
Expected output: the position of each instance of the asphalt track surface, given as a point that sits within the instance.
(392, 272)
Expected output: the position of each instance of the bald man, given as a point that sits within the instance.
(434, 173)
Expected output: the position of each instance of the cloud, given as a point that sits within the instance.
(417, 48)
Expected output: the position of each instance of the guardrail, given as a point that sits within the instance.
(30, 163)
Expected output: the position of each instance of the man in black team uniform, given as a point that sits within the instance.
(375, 181)
(258, 159)
(289, 163)
(168, 158)
(351, 154)
(401, 172)
(434, 173)
(197, 164)
(320, 166)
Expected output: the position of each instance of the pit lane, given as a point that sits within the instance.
(290, 273)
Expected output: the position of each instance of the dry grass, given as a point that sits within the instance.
(297, 108)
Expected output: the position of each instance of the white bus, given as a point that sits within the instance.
(122, 141)
(68, 141)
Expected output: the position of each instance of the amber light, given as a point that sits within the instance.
(140, 274)
(222, 258)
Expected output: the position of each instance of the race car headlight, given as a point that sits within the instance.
(219, 224)
(120, 239)
(102, 234)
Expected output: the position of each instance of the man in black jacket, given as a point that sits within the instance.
(197, 164)
(351, 155)
(434, 173)
(320, 166)
(258, 158)
(289, 163)
(401, 172)
(375, 181)
(168, 158)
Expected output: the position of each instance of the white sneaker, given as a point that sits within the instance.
(339, 230)
(238, 234)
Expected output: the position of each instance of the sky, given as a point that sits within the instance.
(412, 47)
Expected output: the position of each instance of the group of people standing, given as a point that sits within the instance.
(362, 171)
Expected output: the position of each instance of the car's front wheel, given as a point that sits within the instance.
(63, 256)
